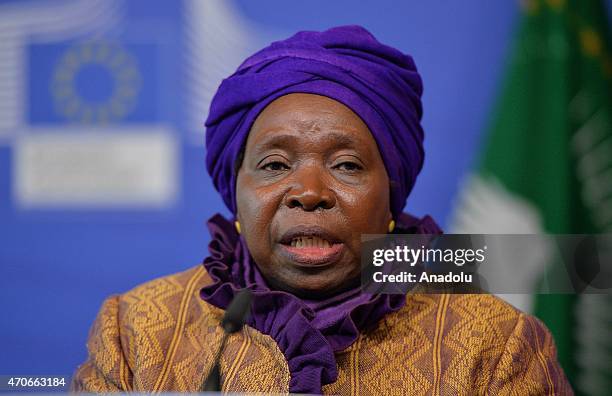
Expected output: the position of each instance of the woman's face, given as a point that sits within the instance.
(311, 182)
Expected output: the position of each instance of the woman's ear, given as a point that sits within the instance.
(389, 216)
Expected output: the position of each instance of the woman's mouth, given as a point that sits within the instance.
(310, 242)
(311, 250)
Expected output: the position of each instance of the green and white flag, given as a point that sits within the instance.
(546, 167)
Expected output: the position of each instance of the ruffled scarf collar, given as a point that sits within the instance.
(308, 333)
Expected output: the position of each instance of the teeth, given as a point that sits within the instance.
(305, 242)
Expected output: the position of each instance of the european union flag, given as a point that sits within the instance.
(93, 82)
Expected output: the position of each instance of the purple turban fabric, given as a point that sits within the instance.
(379, 83)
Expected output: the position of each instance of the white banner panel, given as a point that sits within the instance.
(96, 169)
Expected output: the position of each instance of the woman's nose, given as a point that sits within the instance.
(309, 192)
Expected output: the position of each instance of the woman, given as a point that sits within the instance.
(313, 142)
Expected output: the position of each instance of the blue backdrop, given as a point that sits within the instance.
(59, 261)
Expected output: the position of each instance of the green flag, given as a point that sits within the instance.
(546, 166)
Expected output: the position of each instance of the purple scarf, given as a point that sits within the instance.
(307, 332)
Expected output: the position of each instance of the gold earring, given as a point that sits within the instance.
(391, 225)
(237, 224)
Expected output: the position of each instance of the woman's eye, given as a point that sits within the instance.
(349, 166)
(275, 166)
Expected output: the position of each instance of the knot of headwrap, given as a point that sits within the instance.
(347, 64)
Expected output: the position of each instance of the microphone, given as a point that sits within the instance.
(233, 320)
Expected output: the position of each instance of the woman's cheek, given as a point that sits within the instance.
(251, 199)
(264, 205)
(375, 207)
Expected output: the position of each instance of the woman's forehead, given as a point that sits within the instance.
(308, 116)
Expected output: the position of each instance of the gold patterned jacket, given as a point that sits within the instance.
(162, 336)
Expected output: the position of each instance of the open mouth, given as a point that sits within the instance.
(311, 247)
(310, 242)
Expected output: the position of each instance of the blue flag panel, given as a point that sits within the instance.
(93, 82)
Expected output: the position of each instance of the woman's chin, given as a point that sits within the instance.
(315, 286)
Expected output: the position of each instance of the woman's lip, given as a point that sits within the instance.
(302, 231)
(313, 256)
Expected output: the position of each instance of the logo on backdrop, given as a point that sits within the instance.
(96, 82)
(84, 115)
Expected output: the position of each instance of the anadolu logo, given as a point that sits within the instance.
(96, 83)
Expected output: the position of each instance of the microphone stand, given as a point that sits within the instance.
(213, 381)
(233, 320)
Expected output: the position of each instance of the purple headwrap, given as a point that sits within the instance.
(347, 64)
